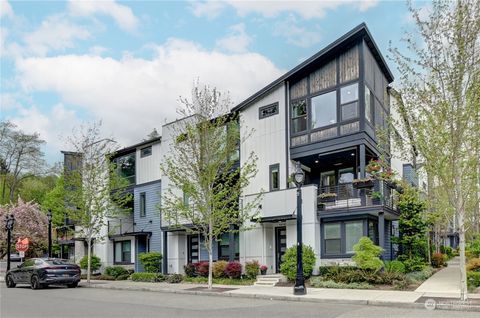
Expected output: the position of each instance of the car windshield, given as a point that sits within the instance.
(56, 262)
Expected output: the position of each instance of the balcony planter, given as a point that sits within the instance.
(391, 184)
(373, 167)
(321, 206)
(399, 189)
(327, 197)
(363, 183)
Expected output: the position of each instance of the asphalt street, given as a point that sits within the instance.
(90, 303)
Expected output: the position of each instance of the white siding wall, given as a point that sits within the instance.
(267, 140)
(148, 168)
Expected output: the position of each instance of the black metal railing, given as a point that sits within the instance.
(350, 195)
(120, 226)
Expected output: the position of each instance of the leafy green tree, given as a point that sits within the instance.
(412, 225)
(55, 201)
(367, 255)
(440, 95)
(94, 189)
(203, 181)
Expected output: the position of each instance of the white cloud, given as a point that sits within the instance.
(133, 95)
(6, 9)
(208, 9)
(122, 14)
(52, 126)
(237, 41)
(306, 9)
(295, 34)
(55, 33)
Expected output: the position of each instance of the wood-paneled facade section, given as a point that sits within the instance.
(339, 71)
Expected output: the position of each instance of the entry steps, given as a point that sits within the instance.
(269, 280)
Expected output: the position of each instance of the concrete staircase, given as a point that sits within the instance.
(269, 280)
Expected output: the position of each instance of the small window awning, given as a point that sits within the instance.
(276, 218)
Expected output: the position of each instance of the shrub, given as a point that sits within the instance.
(414, 264)
(151, 261)
(394, 267)
(189, 270)
(367, 254)
(252, 268)
(289, 264)
(473, 280)
(447, 250)
(95, 263)
(319, 283)
(438, 260)
(219, 269)
(115, 271)
(473, 265)
(147, 277)
(201, 268)
(326, 270)
(473, 248)
(233, 270)
(420, 276)
(123, 276)
(174, 278)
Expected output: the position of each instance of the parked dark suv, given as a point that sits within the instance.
(41, 272)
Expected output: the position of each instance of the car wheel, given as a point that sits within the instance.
(10, 282)
(72, 285)
(35, 282)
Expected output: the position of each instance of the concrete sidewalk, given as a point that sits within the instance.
(444, 283)
(402, 299)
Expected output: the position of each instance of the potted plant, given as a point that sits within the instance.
(373, 166)
(376, 197)
(366, 183)
(321, 206)
(327, 197)
(263, 269)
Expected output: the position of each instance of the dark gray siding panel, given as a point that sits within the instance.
(151, 221)
(388, 240)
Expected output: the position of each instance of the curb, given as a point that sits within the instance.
(379, 303)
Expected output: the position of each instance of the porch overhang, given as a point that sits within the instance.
(275, 219)
(389, 214)
(140, 233)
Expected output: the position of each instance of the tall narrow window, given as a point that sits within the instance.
(349, 101)
(186, 199)
(324, 109)
(299, 116)
(143, 211)
(333, 238)
(274, 177)
(368, 104)
(353, 233)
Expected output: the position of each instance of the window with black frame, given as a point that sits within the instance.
(349, 102)
(299, 116)
(324, 110)
(123, 252)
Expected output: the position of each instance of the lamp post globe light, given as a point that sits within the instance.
(49, 217)
(299, 178)
(9, 223)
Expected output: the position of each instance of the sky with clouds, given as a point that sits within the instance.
(64, 63)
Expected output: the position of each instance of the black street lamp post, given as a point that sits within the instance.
(9, 222)
(299, 288)
(49, 217)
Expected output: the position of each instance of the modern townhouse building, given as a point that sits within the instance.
(325, 114)
(125, 236)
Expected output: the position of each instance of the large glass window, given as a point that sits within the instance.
(299, 116)
(224, 246)
(126, 167)
(353, 233)
(324, 109)
(123, 252)
(333, 238)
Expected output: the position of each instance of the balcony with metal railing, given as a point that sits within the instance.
(349, 196)
(120, 226)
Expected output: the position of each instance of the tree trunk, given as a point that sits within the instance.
(89, 259)
(460, 211)
(210, 260)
